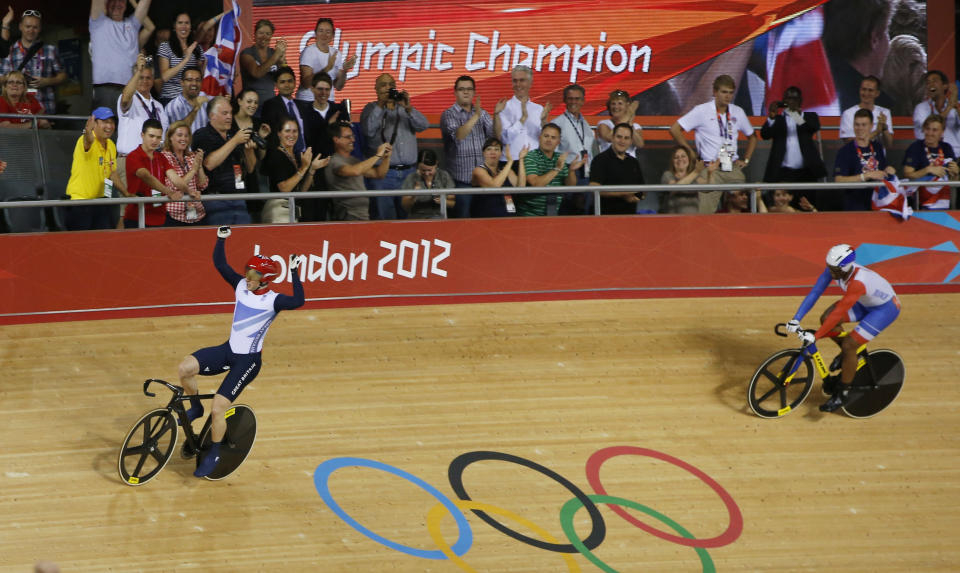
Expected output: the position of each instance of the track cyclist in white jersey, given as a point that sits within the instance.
(868, 299)
(256, 307)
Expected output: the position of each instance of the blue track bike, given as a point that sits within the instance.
(784, 380)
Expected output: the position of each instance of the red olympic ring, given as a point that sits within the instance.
(732, 532)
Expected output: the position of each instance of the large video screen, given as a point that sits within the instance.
(664, 53)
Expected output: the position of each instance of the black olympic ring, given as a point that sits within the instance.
(592, 541)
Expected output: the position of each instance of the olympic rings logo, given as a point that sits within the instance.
(548, 542)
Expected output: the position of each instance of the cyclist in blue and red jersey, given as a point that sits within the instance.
(868, 300)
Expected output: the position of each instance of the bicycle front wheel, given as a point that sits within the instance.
(148, 447)
(773, 391)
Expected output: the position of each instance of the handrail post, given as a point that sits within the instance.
(43, 168)
(292, 206)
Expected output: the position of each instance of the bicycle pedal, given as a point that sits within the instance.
(186, 452)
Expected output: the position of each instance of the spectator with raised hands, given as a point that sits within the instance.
(346, 173)
(546, 168)
(288, 170)
(16, 100)
(319, 57)
(190, 104)
(495, 173)
(39, 62)
(94, 173)
(863, 159)
(392, 119)
(517, 121)
(260, 61)
(622, 110)
(188, 165)
(685, 169)
(114, 46)
(5, 32)
(464, 127)
(175, 56)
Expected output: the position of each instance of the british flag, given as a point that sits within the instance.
(892, 198)
(221, 58)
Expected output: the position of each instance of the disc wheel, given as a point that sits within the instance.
(774, 393)
(876, 385)
(148, 447)
(237, 442)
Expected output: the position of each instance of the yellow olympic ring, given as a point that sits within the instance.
(436, 513)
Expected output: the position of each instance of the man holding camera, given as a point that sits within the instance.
(391, 119)
(794, 157)
(134, 106)
(228, 155)
(190, 105)
(39, 62)
(717, 124)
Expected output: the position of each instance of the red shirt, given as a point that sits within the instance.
(28, 107)
(158, 166)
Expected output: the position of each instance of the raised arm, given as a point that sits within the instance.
(220, 258)
(286, 302)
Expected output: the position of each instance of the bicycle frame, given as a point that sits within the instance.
(812, 351)
(175, 405)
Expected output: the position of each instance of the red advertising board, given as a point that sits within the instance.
(63, 276)
(664, 54)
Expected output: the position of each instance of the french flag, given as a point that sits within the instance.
(892, 198)
(221, 58)
(795, 57)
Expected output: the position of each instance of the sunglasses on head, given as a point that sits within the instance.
(34, 13)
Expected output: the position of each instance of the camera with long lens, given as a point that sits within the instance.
(395, 94)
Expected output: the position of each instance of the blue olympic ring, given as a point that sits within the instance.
(321, 479)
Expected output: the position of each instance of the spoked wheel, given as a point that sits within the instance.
(876, 385)
(237, 442)
(148, 447)
(773, 392)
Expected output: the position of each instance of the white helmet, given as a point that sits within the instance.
(841, 256)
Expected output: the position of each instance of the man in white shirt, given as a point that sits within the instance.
(134, 106)
(190, 105)
(717, 124)
(114, 45)
(941, 100)
(882, 127)
(517, 121)
(576, 140)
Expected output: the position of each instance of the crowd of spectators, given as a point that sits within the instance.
(174, 140)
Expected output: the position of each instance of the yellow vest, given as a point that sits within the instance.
(90, 169)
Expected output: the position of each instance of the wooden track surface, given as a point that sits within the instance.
(415, 387)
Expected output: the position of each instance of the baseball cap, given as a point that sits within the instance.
(103, 113)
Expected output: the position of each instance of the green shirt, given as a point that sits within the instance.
(537, 163)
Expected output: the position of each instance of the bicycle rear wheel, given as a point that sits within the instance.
(147, 447)
(876, 385)
(237, 442)
(773, 392)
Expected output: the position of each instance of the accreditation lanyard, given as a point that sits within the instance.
(934, 110)
(725, 125)
(577, 128)
(871, 163)
(152, 110)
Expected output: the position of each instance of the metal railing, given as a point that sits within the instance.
(596, 191)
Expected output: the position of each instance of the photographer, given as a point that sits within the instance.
(134, 106)
(794, 157)
(228, 154)
(391, 119)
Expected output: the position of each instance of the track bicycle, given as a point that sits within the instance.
(784, 380)
(150, 443)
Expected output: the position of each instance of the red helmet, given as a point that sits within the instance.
(264, 265)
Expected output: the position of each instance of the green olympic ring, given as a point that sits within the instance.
(572, 506)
